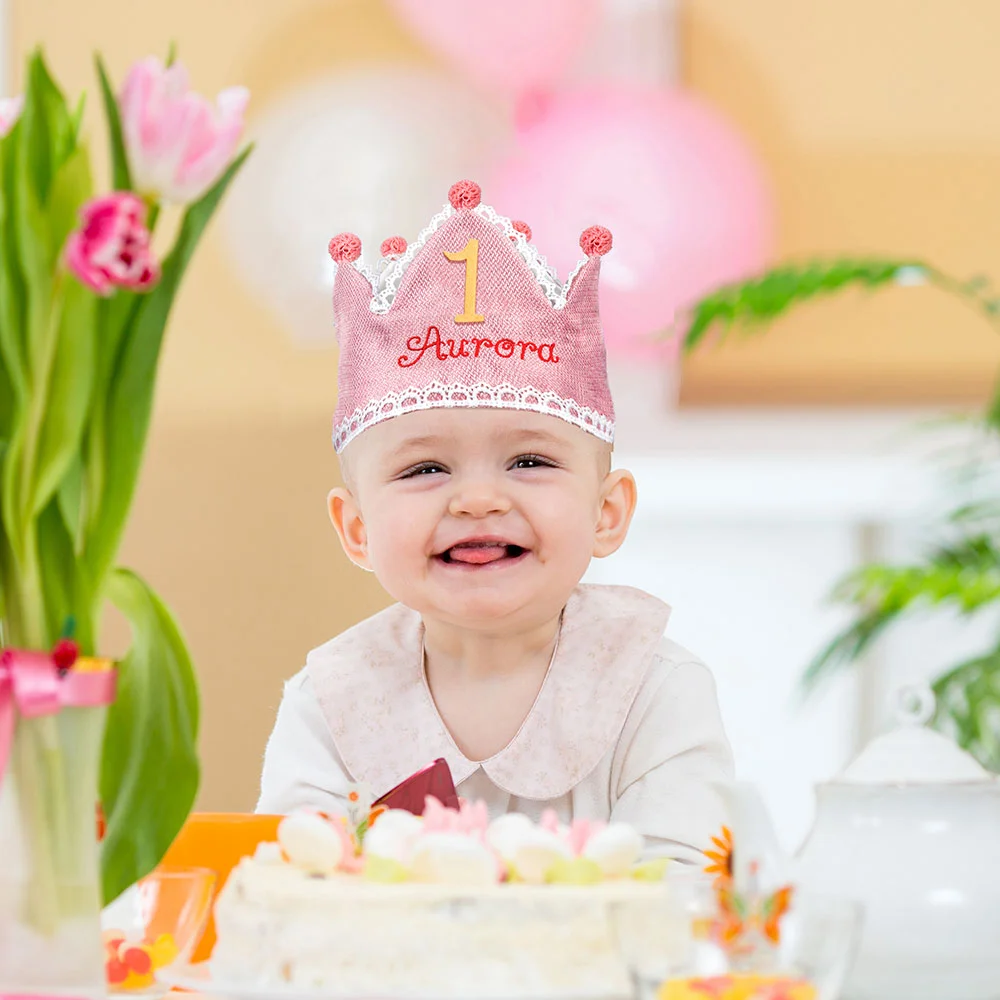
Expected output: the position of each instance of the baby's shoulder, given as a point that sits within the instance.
(671, 655)
(675, 677)
(299, 682)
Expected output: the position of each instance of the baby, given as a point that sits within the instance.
(474, 428)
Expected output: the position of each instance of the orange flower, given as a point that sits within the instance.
(352, 796)
(721, 858)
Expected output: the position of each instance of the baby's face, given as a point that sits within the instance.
(477, 517)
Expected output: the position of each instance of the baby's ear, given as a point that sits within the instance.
(349, 525)
(618, 496)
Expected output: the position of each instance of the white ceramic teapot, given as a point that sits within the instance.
(911, 830)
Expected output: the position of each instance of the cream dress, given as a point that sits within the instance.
(626, 726)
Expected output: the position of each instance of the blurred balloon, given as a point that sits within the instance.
(371, 152)
(511, 46)
(681, 193)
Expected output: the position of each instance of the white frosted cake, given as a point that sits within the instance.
(444, 906)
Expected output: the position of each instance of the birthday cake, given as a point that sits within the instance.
(443, 905)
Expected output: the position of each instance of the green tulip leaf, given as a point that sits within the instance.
(12, 340)
(49, 129)
(150, 765)
(68, 393)
(71, 187)
(130, 389)
(121, 178)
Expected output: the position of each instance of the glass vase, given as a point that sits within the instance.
(50, 882)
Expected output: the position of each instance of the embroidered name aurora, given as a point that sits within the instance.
(471, 348)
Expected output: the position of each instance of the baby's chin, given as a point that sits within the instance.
(481, 607)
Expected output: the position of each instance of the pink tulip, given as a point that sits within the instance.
(178, 145)
(10, 111)
(111, 247)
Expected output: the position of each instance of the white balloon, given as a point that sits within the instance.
(371, 152)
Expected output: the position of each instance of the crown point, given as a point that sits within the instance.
(345, 246)
(522, 227)
(394, 246)
(595, 241)
(465, 194)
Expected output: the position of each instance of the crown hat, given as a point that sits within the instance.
(468, 315)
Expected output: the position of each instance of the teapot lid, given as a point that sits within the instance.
(912, 754)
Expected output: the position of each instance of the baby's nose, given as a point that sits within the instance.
(478, 498)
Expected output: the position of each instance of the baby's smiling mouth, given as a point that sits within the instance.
(481, 552)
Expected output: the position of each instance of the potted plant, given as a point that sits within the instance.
(961, 567)
(84, 303)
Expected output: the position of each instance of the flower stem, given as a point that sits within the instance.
(39, 399)
(41, 896)
(54, 767)
(25, 625)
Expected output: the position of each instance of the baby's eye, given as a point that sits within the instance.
(423, 469)
(531, 462)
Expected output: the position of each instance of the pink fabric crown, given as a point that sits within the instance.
(469, 315)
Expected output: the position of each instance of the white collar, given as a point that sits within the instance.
(371, 688)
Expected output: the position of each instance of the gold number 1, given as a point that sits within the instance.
(470, 254)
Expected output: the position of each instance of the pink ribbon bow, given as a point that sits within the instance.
(31, 685)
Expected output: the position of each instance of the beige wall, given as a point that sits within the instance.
(875, 118)
(230, 525)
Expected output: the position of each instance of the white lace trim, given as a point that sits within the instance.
(384, 288)
(456, 394)
(385, 283)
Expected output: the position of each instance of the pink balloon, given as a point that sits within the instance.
(683, 196)
(508, 45)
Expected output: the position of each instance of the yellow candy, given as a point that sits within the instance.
(163, 950)
(737, 986)
(747, 987)
(136, 981)
(574, 871)
(385, 870)
(680, 989)
(650, 871)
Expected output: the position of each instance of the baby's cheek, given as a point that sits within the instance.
(392, 564)
(393, 540)
(571, 534)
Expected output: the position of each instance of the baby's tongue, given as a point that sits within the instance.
(477, 555)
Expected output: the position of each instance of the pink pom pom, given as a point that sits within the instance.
(394, 246)
(465, 194)
(522, 227)
(595, 241)
(346, 246)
